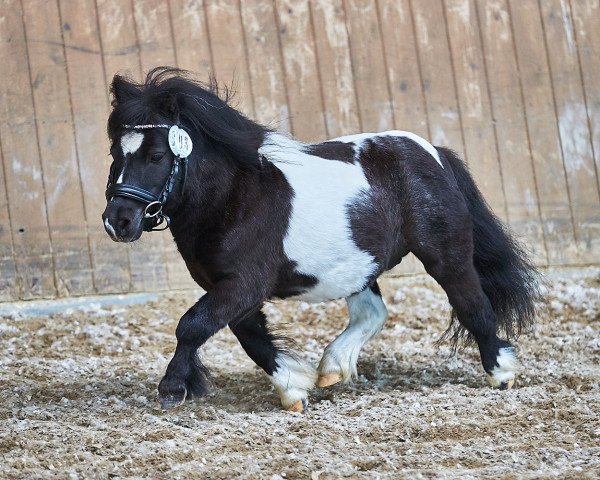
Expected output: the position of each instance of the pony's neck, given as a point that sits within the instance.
(211, 186)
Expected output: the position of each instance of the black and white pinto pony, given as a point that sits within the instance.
(257, 215)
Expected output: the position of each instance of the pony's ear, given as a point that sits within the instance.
(168, 105)
(122, 89)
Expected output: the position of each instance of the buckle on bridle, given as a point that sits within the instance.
(159, 220)
(157, 206)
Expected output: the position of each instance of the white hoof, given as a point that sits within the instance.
(293, 379)
(503, 375)
(338, 365)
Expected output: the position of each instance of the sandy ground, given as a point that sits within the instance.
(78, 397)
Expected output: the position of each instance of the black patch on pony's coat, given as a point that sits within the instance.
(331, 150)
(291, 283)
(391, 166)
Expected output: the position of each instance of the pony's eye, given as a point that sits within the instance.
(157, 157)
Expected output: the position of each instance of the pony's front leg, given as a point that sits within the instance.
(186, 377)
(292, 377)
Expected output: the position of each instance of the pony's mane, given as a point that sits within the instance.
(169, 95)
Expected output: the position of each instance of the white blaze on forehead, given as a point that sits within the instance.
(360, 137)
(131, 142)
(319, 237)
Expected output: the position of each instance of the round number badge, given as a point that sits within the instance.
(180, 142)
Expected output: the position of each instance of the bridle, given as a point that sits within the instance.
(181, 146)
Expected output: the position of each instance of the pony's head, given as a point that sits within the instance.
(152, 128)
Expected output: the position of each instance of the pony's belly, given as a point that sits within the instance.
(342, 279)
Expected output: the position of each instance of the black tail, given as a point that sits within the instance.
(508, 278)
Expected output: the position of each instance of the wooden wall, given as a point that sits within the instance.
(512, 85)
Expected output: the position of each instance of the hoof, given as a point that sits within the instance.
(298, 407)
(174, 399)
(328, 379)
(507, 385)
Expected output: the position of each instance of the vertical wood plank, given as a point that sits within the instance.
(122, 55)
(264, 62)
(335, 67)
(573, 127)
(22, 168)
(403, 66)
(301, 70)
(120, 47)
(370, 75)
(436, 71)
(507, 108)
(64, 198)
(227, 45)
(156, 38)
(88, 100)
(190, 36)
(473, 97)
(542, 131)
(586, 21)
(9, 288)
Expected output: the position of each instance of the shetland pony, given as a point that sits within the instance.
(257, 215)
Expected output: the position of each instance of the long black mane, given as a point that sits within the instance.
(170, 95)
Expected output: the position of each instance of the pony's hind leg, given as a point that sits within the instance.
(460, 280)
(367, 316)
(292, 377)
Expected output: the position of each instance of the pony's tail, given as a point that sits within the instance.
(507, 277)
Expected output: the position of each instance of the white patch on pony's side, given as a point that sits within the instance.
(367, 316)
(319, 238)
(293, 379)
(131, 142)
(361, 137)
(505, 372)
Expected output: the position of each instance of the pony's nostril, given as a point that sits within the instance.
(123, 223)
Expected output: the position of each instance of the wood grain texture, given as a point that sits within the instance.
(506, 98)
(543, 133)
(474, 102)
(512, 86)
(22, 167)
(335, 67)
(437, 74)
(264, 65)
(9, 288)
(228, 48)
(88, 101)
(190, 37)
(573, 126)
(58, 154)
(586, 25)
(305, 99)
(403, 70)
(368, 63)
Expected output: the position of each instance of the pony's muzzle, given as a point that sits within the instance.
(122, 222)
